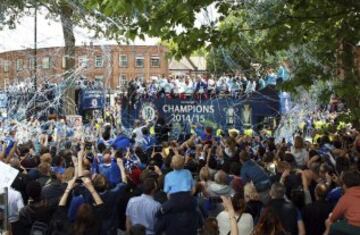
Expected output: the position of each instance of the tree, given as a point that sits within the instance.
(9, 12)
(319, 37)
(71, 13)
(168, 19)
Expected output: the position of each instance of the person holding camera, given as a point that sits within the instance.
(86, 215)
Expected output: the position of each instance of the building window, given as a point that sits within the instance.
(83, 61)
(99, 77)
(99, 80)
(6, 66)
(139, 61)
(6, 83)
(123, 61)
(155, 62)
(99, 62)
(31, 63)
(63, 62)
(122, 81)
(46, 62)
(19, 64)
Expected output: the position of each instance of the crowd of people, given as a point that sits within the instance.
(209, 182)
(201, 86)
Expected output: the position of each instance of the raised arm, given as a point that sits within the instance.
(90, 187)
(11, 153)
(80, 157)
(68, 189)
(2, 153)
(120, 164)
(232, 218)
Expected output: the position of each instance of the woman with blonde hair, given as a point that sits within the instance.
(299, 151)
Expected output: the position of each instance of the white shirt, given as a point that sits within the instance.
(138, 134)
(221, 85)
(211, 84)
(189, 88)
(301, 156)
(181, 86)
(248, 87)
(245, 224)
(141, 89)
(168, 86)
(15, 204)
(142, 210)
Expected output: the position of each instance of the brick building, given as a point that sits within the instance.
(110, 63)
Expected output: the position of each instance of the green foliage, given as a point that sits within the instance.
(10, 11)
(317, 37)
(314, 35)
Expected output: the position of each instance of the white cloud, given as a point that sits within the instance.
(49, 35)
(50, 32)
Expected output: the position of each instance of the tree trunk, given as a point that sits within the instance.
(66, 13)
(192, 64)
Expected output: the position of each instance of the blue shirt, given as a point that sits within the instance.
(283, 73)
(147, 143)
(271, 80)
(142, 210)
(9, 145)
(121, 142)
(205, 137)
(111, 172)
(178, 181)
(58, 170)
(251, 171)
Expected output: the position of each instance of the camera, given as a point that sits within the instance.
(90, 157)
(78, 180)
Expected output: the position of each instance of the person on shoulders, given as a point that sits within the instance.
(348, 207)
(180, 179)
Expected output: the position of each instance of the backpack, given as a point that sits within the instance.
(39, 228)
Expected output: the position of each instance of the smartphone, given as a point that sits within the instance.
(79, 180)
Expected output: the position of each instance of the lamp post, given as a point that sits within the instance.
(35, 48)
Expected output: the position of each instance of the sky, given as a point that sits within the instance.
(50, 33)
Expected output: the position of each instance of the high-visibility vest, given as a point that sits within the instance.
(152, 130)
(219, 132)
(248, 132)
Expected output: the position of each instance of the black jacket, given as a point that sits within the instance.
(178, 215)
(315, 215)
(287, 214)
(40, 211)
